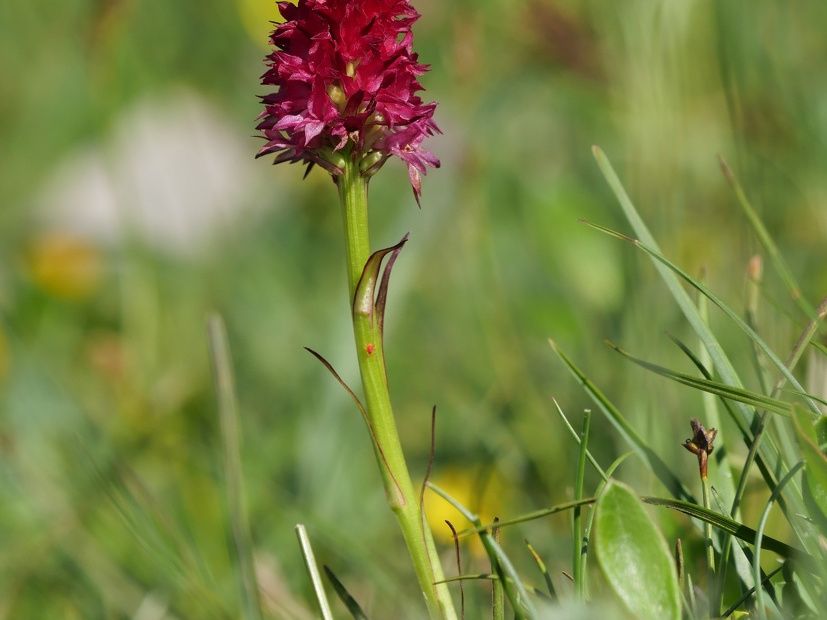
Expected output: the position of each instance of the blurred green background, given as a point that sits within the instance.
(132, 207)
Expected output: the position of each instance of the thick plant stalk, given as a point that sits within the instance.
(367, 330)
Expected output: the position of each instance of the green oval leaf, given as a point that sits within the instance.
(815, 476)
(633, 555)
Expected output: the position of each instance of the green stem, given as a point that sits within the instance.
(403, 500)
(714, 611)
(579, 551)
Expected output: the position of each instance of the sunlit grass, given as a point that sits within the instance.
(109, 434)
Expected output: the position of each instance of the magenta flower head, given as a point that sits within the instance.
(347, 83)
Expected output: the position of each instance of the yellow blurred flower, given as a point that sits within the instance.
(64, 265)
(482, 493)
(257, 17)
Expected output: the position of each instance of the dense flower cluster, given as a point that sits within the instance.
(347, 83)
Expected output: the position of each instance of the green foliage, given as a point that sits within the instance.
(113, 497)
(816, 473)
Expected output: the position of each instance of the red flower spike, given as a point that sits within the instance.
(347, 82)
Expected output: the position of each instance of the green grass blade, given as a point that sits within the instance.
(344, 596)
(670, 266)
(733, 608)
(579, 542)
(719, 359)
(543, 571)
(739, 553)
(497, 590)
(530, 516)
(242, 548)
(759, 401)
(313, 572)
(760, 605)
(739, 530)
(500, 563)
(816, 474)
(784, 272)
(576, 437)
(768, 452)
(649, 457)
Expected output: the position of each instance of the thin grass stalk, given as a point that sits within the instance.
(656, 464)
(660, 259)
(792, 361)
(233, 478)
(784, 272)
(734, 607)
(552, 592)
(714, 607)
(578, 543)
(497, 594)
(759, 535)
(313, 572)
(504, 570)
(576, 436)
(755, 272)
(587, 530)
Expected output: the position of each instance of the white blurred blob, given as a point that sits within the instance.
(173, 174)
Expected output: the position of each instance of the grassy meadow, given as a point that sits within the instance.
(132, 208)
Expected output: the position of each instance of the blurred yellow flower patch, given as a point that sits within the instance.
(64, 265)
(257, 17)
(483, 492)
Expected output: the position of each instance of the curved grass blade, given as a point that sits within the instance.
(739, 530)
(766, 240)
(734, 607)
(745, 431)
(576, 437)
(719, 359)
(759, 535)
(456, 548)
(344, 596)
(769, 455)
(726, 524)
(660, 258)
(759, 401)
(655, 463)
(514, 589)
(543, 570)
